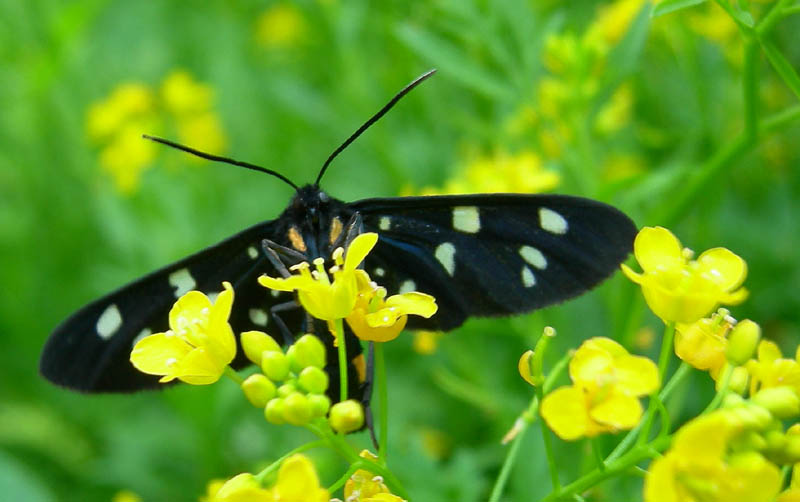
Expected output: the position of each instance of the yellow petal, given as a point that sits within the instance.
(614, 349)
(413, 303)
(589, 364)
(564, 410)
(618, 412)
(768, 351)
(289, 284)
(157, 354)
(630, 274)
(221, 310)
(524, 366)
(659, 485)
(359, 249)
(656, 248)
(198, 367)
(635, 375)
(242, 488)
(193, 305)
(751, 478)
(723, 267)
(297, 480)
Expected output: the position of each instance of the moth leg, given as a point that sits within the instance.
(288, 336)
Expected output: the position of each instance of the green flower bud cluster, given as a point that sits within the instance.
(760, 419)
(291, 386)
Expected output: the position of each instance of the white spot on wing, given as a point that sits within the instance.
(446, 254)
(109, 322)
(466, 219)
(407, 286)
(142, 334)
(533, 256)
(258, 317)
(274, 292)
(552, 221)
(212, 296)
(385, 223)
(528, 279)
(252, 252)
(380, 272)
(182, 281)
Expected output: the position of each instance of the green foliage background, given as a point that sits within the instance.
(67, 236)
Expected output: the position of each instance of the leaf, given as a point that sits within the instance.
(669, 6)
(782, 66)
(450, 60)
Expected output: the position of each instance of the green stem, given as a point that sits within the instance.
(598, 453)
(788, 11)
(750, 88)
(383, 401)
(523, 422)
(339, 326)
(628, 440)
(663, 363)
(261, 476)
(727, 373)
(342, 480)
(620, 465)
(548, 448)
(233, 375)
(775, 14)
(779, 120)
(508, 464)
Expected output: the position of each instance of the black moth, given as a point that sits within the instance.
(478, 255)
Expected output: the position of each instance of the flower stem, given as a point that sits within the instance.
(342, 480)
(508, 464)
(598, 453)
(233, 375)
(383, 401)
(339, 326)
(548, 448)
(663, 362)
(261, 476)
(727, 373)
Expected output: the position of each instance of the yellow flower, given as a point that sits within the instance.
(280, 26)
(127, 101)
(792, 494)
(197, 347)
(683, 290)
(426, 342)
(376, 318)
(700, 466)
(212, 488)
(607, 382)
(771, 369)
(614, 19)
(703, 343)
(127, 155)
(182, 94)
(320, 297)
(364, 486)
(126, 496)
(297, 482)
(203, 131)
(615, 114)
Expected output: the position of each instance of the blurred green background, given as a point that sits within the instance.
(584, 97)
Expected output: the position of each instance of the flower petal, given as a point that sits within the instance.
(193, 305)
(221, 310)
(618, 412)
(589, 364)
(723, 267)
(289, 284)
(657, 248)
(198, 367)
(297, 480)
(413, 303)
(564, 410)
(635, 375)
(158, 353)
(359, 249)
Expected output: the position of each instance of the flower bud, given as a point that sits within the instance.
(313, 380)
(791, 449)
(320, 404)
(289, 387)
(742, 342)
(275, 365)
(274, 411)
(782, 402)
(258, 389)
(296, 409)
(307, 351)
(739, 380)
(732, 401)
(256, 343)
(751, 416)
(347, 416)
(524, 367)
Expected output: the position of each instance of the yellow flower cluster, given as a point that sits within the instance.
(503, 172)
(352, 295)
(679, 289)
(607, 382)
(297, 482)
(116, 124)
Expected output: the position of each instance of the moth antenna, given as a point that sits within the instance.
(388, 106)
(217, 158)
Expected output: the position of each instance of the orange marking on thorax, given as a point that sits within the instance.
(297, 240)
(336, 229)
